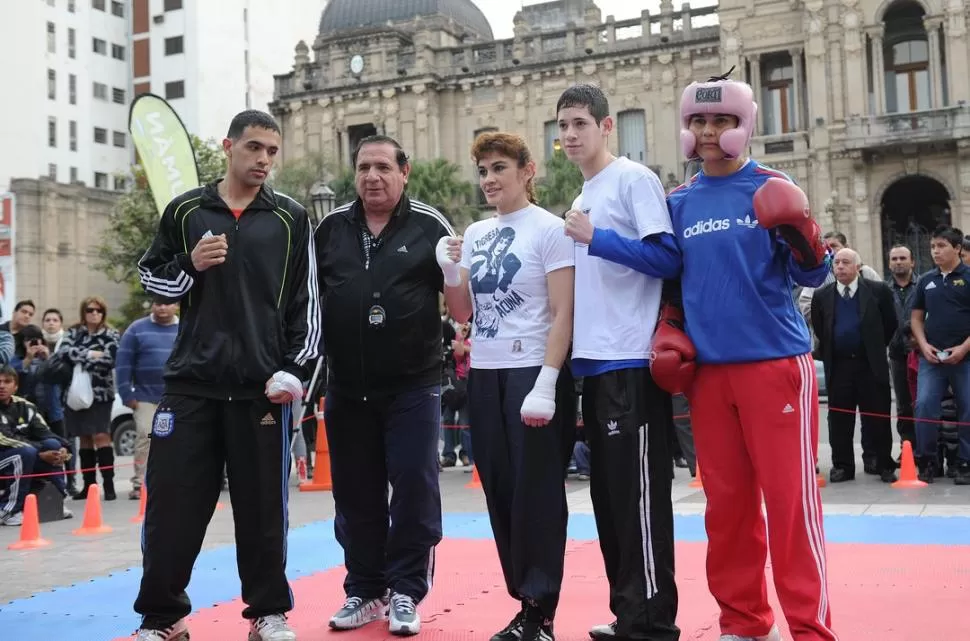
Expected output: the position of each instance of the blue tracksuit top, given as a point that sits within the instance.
(737, 276)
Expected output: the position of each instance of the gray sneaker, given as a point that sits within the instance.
(177, 632)
(272, 627)
(357, 612)
(14, 519)
(773, 635)
(404, 616)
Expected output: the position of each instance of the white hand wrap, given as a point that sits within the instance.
(286, 383)
(541, 401)
(449, 268)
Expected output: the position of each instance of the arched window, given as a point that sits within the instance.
(778, 94)
(907, 59)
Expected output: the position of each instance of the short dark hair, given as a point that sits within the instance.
(378, 139)
(950, 234)
(901, 246)
(52, 310)
(585, 95)
(966, 243)
(9, 372)
(251, 118)
(837, 235)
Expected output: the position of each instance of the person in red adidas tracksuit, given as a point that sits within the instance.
(740, 351)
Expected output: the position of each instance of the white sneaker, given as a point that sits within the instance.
(13, 520)
(177, 632)
(405, 620)
(357, 612)
(773, 635)
(272, 627)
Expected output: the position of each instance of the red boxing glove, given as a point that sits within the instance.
(673, 364)
(782, 205)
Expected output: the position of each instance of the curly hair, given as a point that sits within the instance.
(510, 146)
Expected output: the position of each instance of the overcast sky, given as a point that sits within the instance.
(498, 12)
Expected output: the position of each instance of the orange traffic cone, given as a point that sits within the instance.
(907, 469)
(476, 482)
(30, 530)
(321, 481)
(697, 482)
(143, 501)
(93, 524)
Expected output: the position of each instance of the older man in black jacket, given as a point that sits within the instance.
(855, 319)
(380, 282)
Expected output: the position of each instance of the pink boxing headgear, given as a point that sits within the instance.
(719, 96)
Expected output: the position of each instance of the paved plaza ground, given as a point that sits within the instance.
(81, 588)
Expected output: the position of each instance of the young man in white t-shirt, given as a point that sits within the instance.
(517, 272)
(626, 417)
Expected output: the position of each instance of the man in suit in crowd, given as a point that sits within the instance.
(855, 319)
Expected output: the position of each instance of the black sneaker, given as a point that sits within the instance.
(962, 477)
(603, 632)
(513, 631)
(927, 472)
(535, 626)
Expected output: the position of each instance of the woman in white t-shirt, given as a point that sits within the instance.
(517, 268)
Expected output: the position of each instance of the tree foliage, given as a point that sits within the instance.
(439, 183)
(133, 223)
(562, 183)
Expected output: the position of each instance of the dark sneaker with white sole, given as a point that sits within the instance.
(513, 631)
(403, 615)
(535, 627)
(357, 612)
(603, 632)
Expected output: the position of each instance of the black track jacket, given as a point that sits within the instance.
(253, 315)
(366, 360)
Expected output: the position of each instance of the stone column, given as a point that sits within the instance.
(878, 70)
(958, 51)
(936, 69)
(755, 61)
(799, 120)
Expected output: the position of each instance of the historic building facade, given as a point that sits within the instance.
(884, 156)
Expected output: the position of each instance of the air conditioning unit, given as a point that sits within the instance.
(159, 19)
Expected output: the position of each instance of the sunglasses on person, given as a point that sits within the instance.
(93, 310)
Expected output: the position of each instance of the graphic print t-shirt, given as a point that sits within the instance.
(507, 258)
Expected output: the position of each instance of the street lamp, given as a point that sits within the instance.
(323, 200)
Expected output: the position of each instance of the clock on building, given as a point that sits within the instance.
(356, 64)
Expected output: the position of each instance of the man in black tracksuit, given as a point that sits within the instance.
(239, 258)
(380, 285)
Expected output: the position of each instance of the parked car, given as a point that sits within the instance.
(122, 428)
(820, 375)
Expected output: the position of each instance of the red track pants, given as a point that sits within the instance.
(756, 432)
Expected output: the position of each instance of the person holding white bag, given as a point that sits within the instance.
(90, 348)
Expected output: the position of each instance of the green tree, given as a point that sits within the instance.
(344, 187)
(296, 178)
(562, 183)
(133, 223)
(439, 184)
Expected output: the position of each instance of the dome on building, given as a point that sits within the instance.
(347, 15)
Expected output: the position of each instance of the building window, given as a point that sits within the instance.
(118, 52)
(907, 76)
(99, 46)
(97, 4)
(121, 183)
(551, 136)
(631, 128)
(100, 135)
(72, 134)
(174, 90)
(72, 89)
(117, 95)
(100, 91)
(173, 5)
(73, 175)
(52, 84)
(52, 171)
(51, 37)
(100, 180)
(70, 6)
(51, 131)
(778, 94)
(119, 139)
(117, 9)
(174, 46)
(71, 42)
